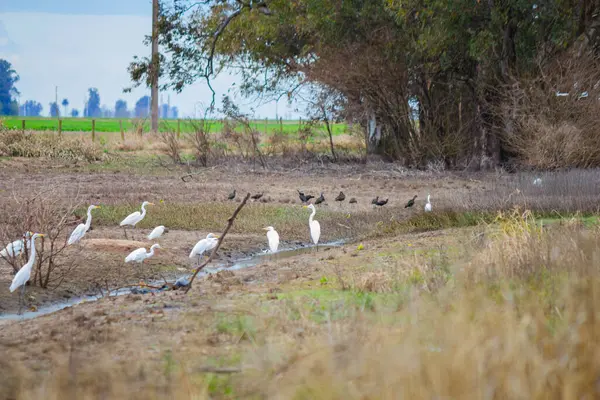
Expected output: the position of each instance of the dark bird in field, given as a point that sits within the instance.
(320, 199)
(411, 202)
(353, 201)
(304, 198)
(231, 195)
(256, 196)
(340, 197)
(374, 201)
(381, 203)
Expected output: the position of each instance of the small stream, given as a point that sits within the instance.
(180, 281)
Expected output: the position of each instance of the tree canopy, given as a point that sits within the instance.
(429, 80)
(92, 108)
(8, 91)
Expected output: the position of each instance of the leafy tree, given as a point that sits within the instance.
(93, 104)
(8, 78)
(65, 104)
(452, 61)
(74, 113)
(121, 110)
(54, 110)
(142, 107)
(31, 108)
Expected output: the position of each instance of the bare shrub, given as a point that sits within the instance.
(304, 136)
(137, 126)
(278, 144)
(200, 141)
(252, 135)
(171, 145)
(43, 212)
(555, 114)
(235, 141)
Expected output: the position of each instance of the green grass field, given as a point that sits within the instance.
(112, 125)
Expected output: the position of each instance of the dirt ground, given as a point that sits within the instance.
(99, 257)
(171, 319)
(197, 329)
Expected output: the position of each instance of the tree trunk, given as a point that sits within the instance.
(330, 138)
(155, 69)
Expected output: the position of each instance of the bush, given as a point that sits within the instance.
(17, 144)
(557, 131)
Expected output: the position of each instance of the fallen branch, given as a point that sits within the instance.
(191, 175)
(214, 252)
(215, 370)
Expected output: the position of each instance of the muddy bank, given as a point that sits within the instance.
(176, 281)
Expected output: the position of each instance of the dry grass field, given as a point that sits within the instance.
(493, 295)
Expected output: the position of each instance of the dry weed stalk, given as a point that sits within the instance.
(172, 146)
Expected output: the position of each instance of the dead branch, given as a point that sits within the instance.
(214, 252)
(191, 175)
(216, 370)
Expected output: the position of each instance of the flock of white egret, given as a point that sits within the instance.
(16, 248)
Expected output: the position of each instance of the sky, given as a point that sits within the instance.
(73, 45)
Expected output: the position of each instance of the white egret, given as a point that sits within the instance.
(208, 243)
(428, 205)
(135, 217)
(24, 273)
(79, 232)
(156, 232)
(15, 248)
(315, 227)
(537, 181)
(272, 238)
(139, 255)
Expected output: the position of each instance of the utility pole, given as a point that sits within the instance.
(154, 68)
(56, 101)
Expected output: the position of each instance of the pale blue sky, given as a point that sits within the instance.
(75, 44)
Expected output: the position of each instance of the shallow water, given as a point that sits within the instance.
(238, 264)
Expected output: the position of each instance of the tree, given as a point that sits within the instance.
(74, 113)
(92, 108)
(31, 108)
(8, 78)
(65, 104)
(142, 107)
(54, 110)
(121, 110)
(426, 79)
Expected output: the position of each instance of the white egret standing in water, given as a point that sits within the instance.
(135, 217)
(24, 273)
(315, 227)
(79, 232)
(272, 238)
(139, 255)
(208, 243)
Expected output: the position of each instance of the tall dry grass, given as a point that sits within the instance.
(518, 321)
